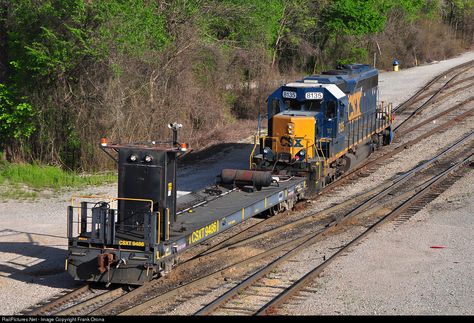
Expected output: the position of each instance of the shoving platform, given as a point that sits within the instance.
(136, 236)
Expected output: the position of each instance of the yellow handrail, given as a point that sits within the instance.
(111, 198)
(168, 223)
(159, 227)
(253, 150)
(74, 197)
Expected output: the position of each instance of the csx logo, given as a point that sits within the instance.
(288, 142)
(354, 105)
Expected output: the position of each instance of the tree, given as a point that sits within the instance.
(15, 120)
(353, 17)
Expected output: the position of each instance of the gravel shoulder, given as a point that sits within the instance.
(33, 244)
(396, 272)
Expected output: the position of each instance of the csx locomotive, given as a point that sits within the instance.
(324, 125)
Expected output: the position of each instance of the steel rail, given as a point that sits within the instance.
(225, 242)
(223, 246)
(91, 301)
(404, 146)
(184, 289)
(443, 113)
(61, 300)
(304, 240)
(272, 232)
(453, 92)
(214, 248)
(327, 211)
(384, 157)
(208, 309)
(271, 306)
(75, 293)
(464, 80)
(432, 100)
(413, 98)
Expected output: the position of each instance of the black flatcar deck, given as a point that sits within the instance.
(215, 214)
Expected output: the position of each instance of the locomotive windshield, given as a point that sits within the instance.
(308, 105)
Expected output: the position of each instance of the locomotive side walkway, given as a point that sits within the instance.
(33, 244)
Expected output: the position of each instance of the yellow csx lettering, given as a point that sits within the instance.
(354, 105)
(204, 232)
(131, 243)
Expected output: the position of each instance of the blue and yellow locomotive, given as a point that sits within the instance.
(324, 125)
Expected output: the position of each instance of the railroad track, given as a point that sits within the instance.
(81, 301)
(184, 292)
(453, 120)
(456, 113)
(256, 286)
(453, 115)
(118, 301)
(426, 90)
(321, 219)
(57, 302)
(404, 211)
(423, 101)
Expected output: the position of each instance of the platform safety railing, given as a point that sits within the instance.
(98, 223)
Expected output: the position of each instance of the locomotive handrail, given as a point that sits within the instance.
(318, 147)
(256, 138)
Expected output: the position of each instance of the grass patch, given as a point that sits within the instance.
(39, 177)
(18, 194)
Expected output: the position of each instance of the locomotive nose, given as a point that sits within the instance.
(294, 136)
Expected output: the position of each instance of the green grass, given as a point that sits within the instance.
(15, 193)
(40, 177)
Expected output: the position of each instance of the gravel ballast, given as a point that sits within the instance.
(397, 271)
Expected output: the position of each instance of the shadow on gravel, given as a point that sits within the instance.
(201, 155)
(10, 232)
(198, 170)
(36, 264)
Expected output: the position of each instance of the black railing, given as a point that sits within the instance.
(96, 223)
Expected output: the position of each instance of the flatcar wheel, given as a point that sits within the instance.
(274, 210)
(129, 288)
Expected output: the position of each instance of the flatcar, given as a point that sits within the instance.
(323, 125)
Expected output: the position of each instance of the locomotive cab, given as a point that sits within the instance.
(304, 113)
(323, 125)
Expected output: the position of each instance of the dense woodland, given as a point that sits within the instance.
(73, 71)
